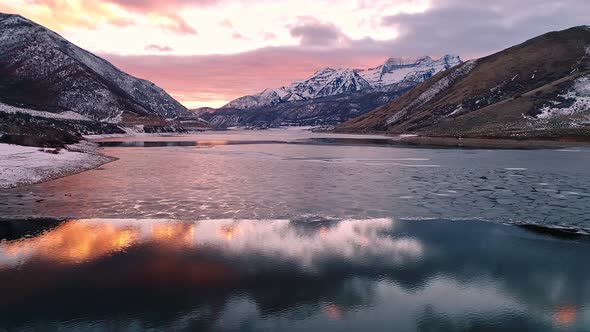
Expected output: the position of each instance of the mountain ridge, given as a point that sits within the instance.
(538, 88)
(330, 82)
(43, 71)
(329, 96)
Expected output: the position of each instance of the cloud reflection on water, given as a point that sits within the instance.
(318, 272)
(77, 241)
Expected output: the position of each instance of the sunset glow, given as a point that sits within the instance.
(208, 52)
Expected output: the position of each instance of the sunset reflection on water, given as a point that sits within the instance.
(76, 241)
(419, 275)
(565, 316)
(71, 242)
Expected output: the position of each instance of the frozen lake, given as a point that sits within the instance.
(294, 231)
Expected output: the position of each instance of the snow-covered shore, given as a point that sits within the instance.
(25, 165)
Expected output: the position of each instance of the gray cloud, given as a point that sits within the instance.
(315, 33)
(475, 28)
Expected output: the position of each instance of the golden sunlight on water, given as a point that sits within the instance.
(333, 311)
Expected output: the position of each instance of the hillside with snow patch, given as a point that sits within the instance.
(537, 89)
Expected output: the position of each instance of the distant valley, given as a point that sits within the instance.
(330, 96)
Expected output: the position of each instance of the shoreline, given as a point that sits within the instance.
(491, 143)
(412, 140)
(22, 166)
(475, 142)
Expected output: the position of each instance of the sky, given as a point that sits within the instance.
(208, 52)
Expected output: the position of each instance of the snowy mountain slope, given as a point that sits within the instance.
(395, 70)
(537, 89)
(332, 82)
(329, 110)
(42, 71)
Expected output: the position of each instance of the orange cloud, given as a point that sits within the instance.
(172, 22)
(61, 15)
(161, 5)
(166, 9)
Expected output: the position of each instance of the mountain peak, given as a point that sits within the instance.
(329, 81)
(6, 16)
(405, 61)
(14, 19)
(324, 71)
(424, 58)
(72, 78)
(395, 61)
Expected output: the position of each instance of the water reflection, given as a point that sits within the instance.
(71, 242)
(565, 316)
(304, 243)
(296, 274)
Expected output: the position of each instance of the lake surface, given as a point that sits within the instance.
(286, 230)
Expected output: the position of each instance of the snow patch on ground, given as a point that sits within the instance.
(25, 165)
(457, 110)
(579, 94)
(68, 115)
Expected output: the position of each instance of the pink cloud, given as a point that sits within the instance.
(165, 8)
(177, 24)
(122, 21)
(226, 24)
(160, 5)
(158, 48)
(226, 77)
(269, 35)
(237, 35)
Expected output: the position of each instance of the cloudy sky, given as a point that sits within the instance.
(207, 52)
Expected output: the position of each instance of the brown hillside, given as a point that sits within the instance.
(501, 95)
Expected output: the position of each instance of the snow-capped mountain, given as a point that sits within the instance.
(396, 70)
(42, 71)
(332, 82)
